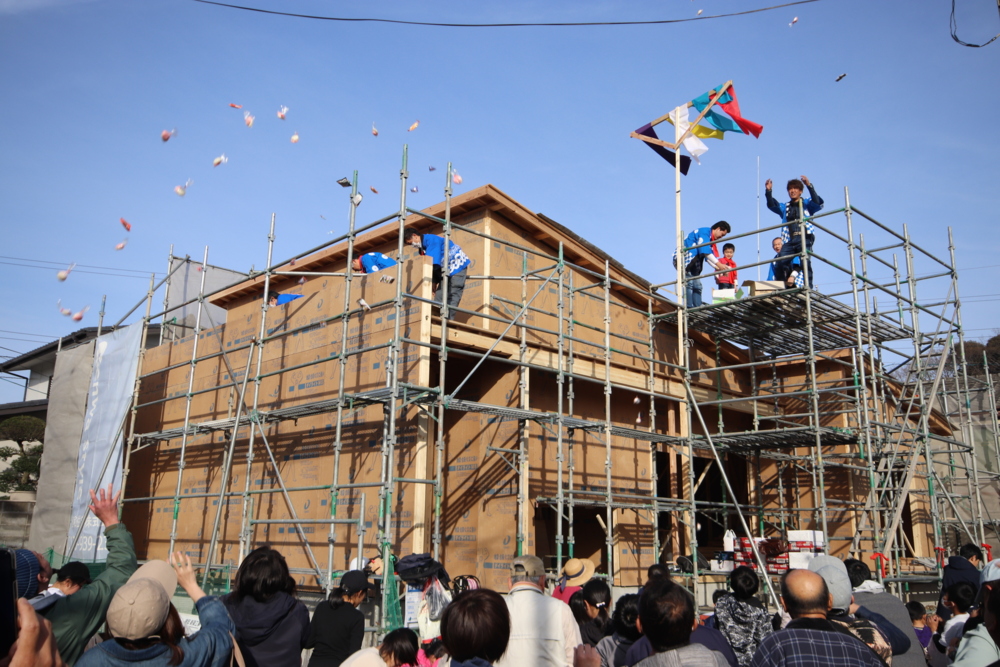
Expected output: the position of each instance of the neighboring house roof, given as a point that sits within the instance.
(36, 408)
(31, 358)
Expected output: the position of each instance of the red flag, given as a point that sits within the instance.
(732, 107)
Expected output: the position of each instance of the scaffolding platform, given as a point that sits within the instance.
(408, 393)
(775, 323)
(570, 423)
(781, 438)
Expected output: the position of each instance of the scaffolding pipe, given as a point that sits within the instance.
(227, 467)
(338, 442)
(182, 460)
(246, 531)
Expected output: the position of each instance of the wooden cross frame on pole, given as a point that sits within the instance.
(713, 99)
(682, 359)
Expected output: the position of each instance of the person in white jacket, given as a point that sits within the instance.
(543, 632)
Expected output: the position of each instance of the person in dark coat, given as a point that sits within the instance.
(872, 595)
(595, 620)
(740, 617)
(271, 624)
(613, 649)
(338, 627)
(963, 567)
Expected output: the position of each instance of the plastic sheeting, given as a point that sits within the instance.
(183, 287)
(63, 428)
(116, 358)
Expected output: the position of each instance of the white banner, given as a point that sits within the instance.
(116, 357)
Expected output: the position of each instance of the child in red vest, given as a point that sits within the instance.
(727, 280)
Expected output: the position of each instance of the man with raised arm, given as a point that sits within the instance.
(76, 618)
(796, 230)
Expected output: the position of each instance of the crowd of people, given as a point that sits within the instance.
(788, 267)
(833, 613)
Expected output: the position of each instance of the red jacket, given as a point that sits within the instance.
(728, 278)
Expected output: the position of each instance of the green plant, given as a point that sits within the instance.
(25, 461)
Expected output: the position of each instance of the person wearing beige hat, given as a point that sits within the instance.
(575, 573)
(146, 628)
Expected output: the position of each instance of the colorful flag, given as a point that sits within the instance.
(728, 103)
(668, 155)
(703, 132)
(695, 146)
(716, 125)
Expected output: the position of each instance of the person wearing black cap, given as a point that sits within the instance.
(338, 627)
(70, 578)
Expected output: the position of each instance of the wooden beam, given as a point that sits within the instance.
(591, 368)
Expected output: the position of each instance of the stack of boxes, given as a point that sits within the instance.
(802, 547)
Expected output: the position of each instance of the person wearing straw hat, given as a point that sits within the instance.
(575, 573)
(146, 628)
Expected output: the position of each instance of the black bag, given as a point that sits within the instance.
(418, 567)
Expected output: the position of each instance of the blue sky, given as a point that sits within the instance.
(542, 113)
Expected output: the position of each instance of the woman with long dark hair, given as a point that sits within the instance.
(338, 627)
(271, 624)
(146, 628)
(596, 598)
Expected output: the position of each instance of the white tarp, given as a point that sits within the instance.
(116, 357)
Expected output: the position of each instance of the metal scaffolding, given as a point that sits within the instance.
(867, 387)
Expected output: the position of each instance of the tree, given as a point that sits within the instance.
(22, 474)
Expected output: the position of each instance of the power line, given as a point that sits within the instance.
(94, 273)
(86, 266)
(23, 340)
(27, 333)
(500, 25)
(11, 381)
(954, 29)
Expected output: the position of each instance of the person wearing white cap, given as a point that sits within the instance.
(872, 628)
(543, 632)
(978, 647)
(146, 628)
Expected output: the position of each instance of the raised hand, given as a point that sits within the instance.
(104, 505)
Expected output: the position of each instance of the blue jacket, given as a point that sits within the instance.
(812, 205)
(211, 646)
(376, 261)
(694, 258)
(433, 246)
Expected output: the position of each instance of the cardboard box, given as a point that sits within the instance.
(800, 561)
(722, 565)
(723, 295)
(755, 287)
(813, 536)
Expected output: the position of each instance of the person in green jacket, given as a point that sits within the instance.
(76, 618)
